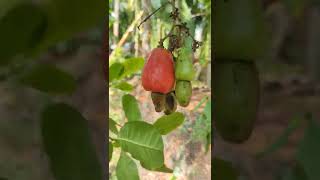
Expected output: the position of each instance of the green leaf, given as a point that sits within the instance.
(49, 79)
(124, 86)
(131, 108)
(126, 168)
(282, 140)
(203, 100)
(110, 146)
(115, 71)
(308, 151)
(202, 125)
(67, 143)
(143, 142)
(112, 126)
(132, 65)
(167, 123)
(223, 170)
(20, 30)
(163, 169)
(66, 18)
(185, 10)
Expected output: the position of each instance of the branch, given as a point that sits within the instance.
(145, 19)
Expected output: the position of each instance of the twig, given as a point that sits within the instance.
(165, 37)
(145, 19)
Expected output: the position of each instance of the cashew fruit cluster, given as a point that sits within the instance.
(169, 81)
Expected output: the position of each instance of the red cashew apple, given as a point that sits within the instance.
(158, 72)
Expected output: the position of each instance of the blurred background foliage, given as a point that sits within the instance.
(50, 52)
(282, 145)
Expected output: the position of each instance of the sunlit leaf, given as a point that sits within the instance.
(112, 126)
(143, 142)
(124, 86)
(131, 108)
(163, 169)
(126, 168)
(132, 65)
(168, 123)
(115, 71)
(185, 10)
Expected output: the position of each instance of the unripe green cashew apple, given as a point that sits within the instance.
(183, 92)
(184, 67)
(236, 96)
(240, 31)
(158, 72)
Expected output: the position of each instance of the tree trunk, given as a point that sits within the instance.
(117, 19)
(136, 31)
(147, 27)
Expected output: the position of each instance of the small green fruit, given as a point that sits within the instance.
(183, 92)
(184, 67)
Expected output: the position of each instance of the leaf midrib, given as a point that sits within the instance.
(133, 142)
